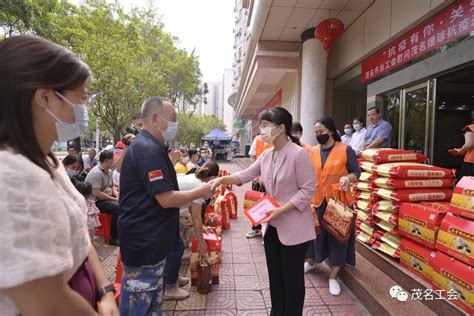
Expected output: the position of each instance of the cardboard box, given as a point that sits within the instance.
(462, 202)
(456, 278)
(417, 259)
(456, 238)
(419, 223)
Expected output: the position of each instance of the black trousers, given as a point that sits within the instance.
(286, 273)
(110, 207)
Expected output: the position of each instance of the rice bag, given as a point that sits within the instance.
(364, 205)
(384, 155)
(364, 186)
(367, 176)
(411, 170)
(386, 206)
(387, 217)
(367, 166)
(387, 249)
(390, 183)
(386, 226)
(391, 239)
(415, 195)
(364, 237)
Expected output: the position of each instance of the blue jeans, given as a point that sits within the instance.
(173, 263)
(142, 290)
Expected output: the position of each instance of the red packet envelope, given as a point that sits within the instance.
(453, 152)
(257, 213)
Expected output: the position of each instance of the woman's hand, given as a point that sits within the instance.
(202, 246)
(107, 305)
(215, 183)
(344, 184)
(274, 214)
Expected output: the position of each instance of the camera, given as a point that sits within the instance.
(132, 130)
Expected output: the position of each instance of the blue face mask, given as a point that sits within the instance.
(171, 130)
(68, 131)
(71, 173)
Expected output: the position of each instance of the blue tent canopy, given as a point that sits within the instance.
(216, 134)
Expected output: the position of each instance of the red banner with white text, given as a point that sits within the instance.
(448, 25)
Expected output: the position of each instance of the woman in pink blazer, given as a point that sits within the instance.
(288, 175)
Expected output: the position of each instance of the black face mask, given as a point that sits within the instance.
(323, 138)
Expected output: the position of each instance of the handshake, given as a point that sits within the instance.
(206, 190)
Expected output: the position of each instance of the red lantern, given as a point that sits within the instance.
(328, 31)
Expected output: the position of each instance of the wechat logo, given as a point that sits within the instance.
(397, 292)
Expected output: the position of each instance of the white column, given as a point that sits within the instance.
(313, 87)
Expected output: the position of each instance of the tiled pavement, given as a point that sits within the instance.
(243, 285)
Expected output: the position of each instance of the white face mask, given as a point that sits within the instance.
(267, 136)
(357, 126)
(348, 131)
(184, 160)
(68, 131)
(171, 130)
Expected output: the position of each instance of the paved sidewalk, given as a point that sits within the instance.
(243, 287)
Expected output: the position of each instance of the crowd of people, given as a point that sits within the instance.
(50, 209)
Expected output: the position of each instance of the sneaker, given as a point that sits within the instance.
(186, 254)
(175, 293)
(334, 287)
(182, 281)
(309, 267)
(254, 233)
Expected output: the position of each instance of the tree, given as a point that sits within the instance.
(130, 55)
(193, 128)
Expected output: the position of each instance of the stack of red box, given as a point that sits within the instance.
(453, 266)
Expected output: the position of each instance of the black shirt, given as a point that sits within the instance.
(146, 230)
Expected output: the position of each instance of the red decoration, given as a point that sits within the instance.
(328, 31)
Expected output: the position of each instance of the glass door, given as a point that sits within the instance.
(411, 113)
(414, 118)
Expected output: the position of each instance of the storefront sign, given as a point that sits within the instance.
(448, 25)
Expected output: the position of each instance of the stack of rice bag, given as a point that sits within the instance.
(395, 176)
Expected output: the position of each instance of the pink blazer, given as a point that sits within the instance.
(292, 180)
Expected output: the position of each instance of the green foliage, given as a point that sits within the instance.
(130, 55)
(193, 127)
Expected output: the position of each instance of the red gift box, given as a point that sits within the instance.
(419, 223)
(456, 279)
(456, 238)
(229, 195)
(417, 259)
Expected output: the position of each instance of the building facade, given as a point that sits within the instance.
(413, 59)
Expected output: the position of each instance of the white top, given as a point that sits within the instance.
(43, 226)
(358, 140)
(187, 183)
(116, 178)
(190, 165)
(346, 139)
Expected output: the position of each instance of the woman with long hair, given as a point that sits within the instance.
(47, 266)
(289, 178)
(335, 164)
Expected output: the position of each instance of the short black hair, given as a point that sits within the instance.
(71, 146)
(85, 188)
(374, 108)
(192, 152)
(360, 119)
(70, 160)
(136, 116)
(105, 155)
(296, 127)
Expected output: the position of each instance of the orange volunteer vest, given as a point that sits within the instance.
(469, 157)
(261, 146)
(334, 168)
